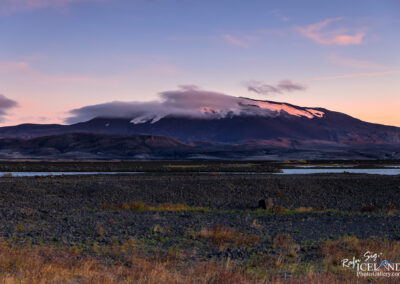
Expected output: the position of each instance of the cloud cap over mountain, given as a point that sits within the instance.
(187, 101)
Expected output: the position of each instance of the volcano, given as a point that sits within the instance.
(248, 125)
(252, 121)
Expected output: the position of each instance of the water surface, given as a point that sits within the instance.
(341, 170)
(42, 174)
(298, 171)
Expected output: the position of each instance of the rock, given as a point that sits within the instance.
(262, 204)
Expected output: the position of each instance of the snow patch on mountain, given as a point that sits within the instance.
(236, 107)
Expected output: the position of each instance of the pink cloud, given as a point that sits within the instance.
(233, 40)
(12, 6)
(15, 66)
(321, 33)
(26, 70)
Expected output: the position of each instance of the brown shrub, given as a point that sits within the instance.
(100, 231)
(390, 209)
(19, 227)
(256, 224)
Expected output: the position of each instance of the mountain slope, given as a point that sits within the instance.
(80, 145)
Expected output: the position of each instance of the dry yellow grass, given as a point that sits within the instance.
(334, 251)
(141, 206)
(26, 264)
(328, 267)
(223, 237)
(50, 265)
(7, 175)
(184, 166)
(303, 209)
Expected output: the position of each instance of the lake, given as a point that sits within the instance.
(384, 171)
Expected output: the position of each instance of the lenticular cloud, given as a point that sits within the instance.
(188, 101)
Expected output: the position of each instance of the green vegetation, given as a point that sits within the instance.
(141, 206)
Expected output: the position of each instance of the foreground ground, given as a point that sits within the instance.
(191, 228)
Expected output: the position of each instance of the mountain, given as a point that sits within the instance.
(248, 129)
(259, 122)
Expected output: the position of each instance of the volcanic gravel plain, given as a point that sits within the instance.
(204, 216)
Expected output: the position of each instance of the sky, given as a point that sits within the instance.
(58, 56)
